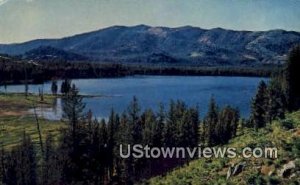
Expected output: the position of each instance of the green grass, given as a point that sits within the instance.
(279, 134)
(18, 101)
(12, 129)
(15, 119)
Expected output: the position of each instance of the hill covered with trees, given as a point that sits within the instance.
(189, 46)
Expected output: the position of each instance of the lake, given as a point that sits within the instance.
(117, 93)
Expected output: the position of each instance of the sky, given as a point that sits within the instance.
(23, 20)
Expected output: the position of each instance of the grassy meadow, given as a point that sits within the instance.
(15, 118)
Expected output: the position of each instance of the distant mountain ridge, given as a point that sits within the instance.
(50, 53)
(190, 45)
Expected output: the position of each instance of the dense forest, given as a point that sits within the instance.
(87, 151)
(17, 71)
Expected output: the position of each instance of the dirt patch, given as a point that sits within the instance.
(13, 113)
(13, 108)
(7, 105)
(297, 133)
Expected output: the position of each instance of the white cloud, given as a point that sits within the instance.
(2, 2)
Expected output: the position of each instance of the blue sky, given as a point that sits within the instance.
(22, 20)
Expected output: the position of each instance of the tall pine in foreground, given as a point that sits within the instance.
(73, 108)
(292, 76)
(276, 104)
(73, 139)
(259, 107)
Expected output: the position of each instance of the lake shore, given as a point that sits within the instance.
(15, 119)
(102, 95)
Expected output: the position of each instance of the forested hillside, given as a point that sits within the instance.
(187, 45)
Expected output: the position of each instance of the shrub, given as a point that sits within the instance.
(255, 179)
(273, 180)
(287, 124)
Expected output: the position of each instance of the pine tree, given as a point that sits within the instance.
(75, 139)
(54, 88)
(27, 164)
(26, 82)
(235, 119)
(111, 141)
(51, 171)
(73, 109)
(227, 124)
(104, 154)
(181, 124)
(11, 168)
(194, 126)
(292, 77)
(150, 125)
(259, 107)
(65, 86)
(159, 127)
(2, 163)
(134, 122)
(169, 132)
(276, 101)
(126, 168)
(210, 122)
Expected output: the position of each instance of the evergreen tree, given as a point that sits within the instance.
(104, 154)
(276, 101)
(194, 126)
(292, 77)
(74, 142)
(169, 132)
(259, 107)
(134, 121)
(27, 163)
(112, 129)
(54, 88)
(73, 109)
(227, 124)
(2, 163)
(159, 127)
(149, 127)
(66, 86)
(210, 122)
(124, 169)
(51, 171)
(11, 168)
(26, 82)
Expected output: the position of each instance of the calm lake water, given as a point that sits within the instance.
(152, 90)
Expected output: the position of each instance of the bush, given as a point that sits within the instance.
(256, 179)
(294, 183)
(269, 162)
(287, 124)
(273, 180)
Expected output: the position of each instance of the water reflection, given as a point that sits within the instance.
(52, 113)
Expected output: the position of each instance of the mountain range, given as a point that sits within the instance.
(146, 44)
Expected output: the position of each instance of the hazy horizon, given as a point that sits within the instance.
(26, 20)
